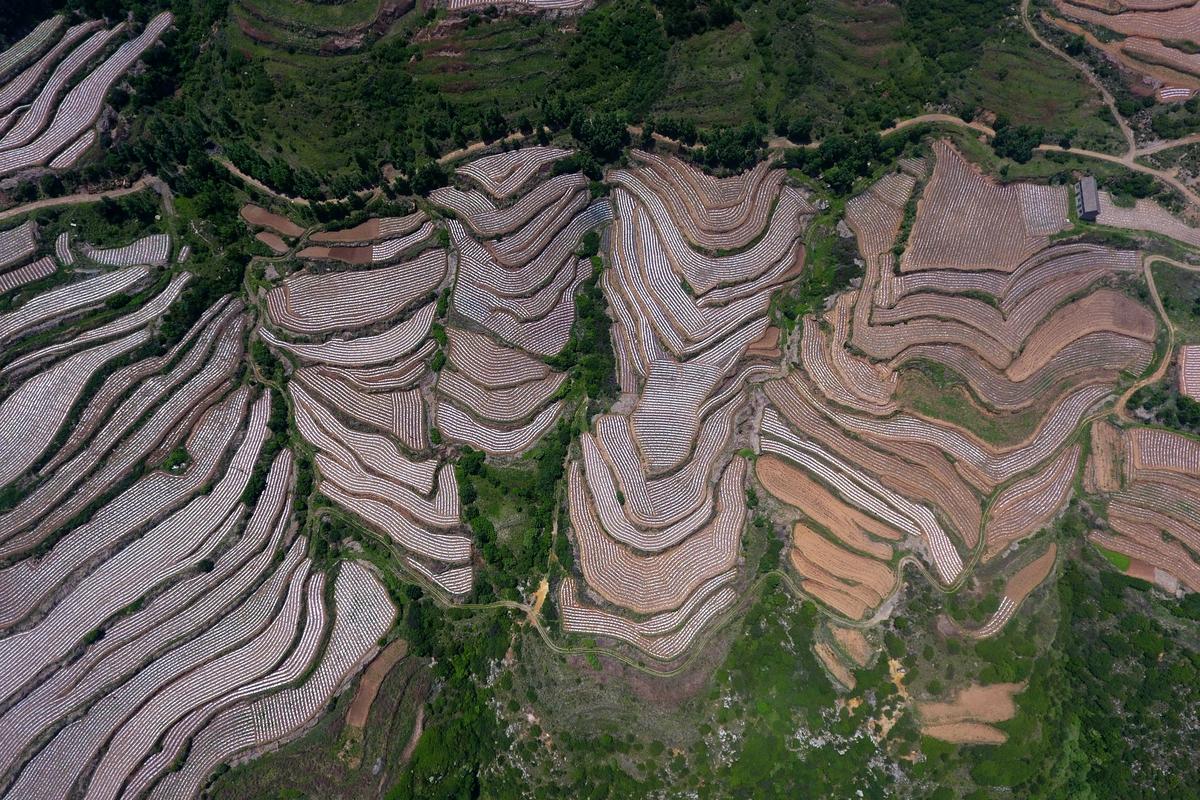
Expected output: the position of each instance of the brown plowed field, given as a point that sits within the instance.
(794, 487)
(1104, 462)
(1101, 311)
(918, 472)
(875, 578)
(993, 703)
(365, 232)
(834, 664)
(272, 240)
(966, 221)
(1177, 23)
(1155, 52)
(348, 255)
(966, 733)
(1140, 569)
(765, 346)
(368, 687)
(853, 643)
(845, 604)
(261, 218)
(1030, 576)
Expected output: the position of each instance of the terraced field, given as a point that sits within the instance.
(160, 614)
(980, 294)
(1151, 515)
(164, 609)
(53, 85)
(1152, 38)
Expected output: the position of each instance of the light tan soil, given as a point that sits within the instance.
(992, 703)
(853, 643)
(966, 733)
(835, 666)
(368, 687)
(1031, 575)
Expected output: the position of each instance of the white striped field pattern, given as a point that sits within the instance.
(157, 622)
(54, 120)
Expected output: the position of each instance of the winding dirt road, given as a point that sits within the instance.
(148, 181)
(1132, 151)
(1126, 131)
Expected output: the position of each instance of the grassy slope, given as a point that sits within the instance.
(1180, 292)
(716, 78)
(1032, 86)
(507, 62)
(954, 403)
(320, 16)
(841, 64)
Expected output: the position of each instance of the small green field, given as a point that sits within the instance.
(1180, 293)
(1118, 560)
(316, 17)
(1032, 86)
(945, 396)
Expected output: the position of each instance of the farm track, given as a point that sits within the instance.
(1129, 158)
(148, 181)
(1122, 406)
(1109, 100)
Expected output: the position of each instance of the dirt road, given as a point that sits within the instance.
(1126, 131)
(149, 181)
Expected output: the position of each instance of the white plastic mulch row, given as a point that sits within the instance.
(362, 613)
(316, 303)
(15, 90)
(503, 174)
(144, 315)
(649, 583)
(168, 549)
(397, 341)
(44, 267)
(80, 106)
(206, 366)
(18, 243)
(14, 56)
(154, 249)
(26, 583)
(181, 612)
(31, 416)
(68, 299)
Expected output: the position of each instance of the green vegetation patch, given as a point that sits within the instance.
(1032, 86)
(1118, 560)
(1162, 404)
(327, 17)
(1180, 292)
(938, 392)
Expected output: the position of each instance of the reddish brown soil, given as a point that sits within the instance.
(368, 687)
(765, 346)
(259, 217)
(272, 240)
(1031, 575)
(349, 255)
(366, 232)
